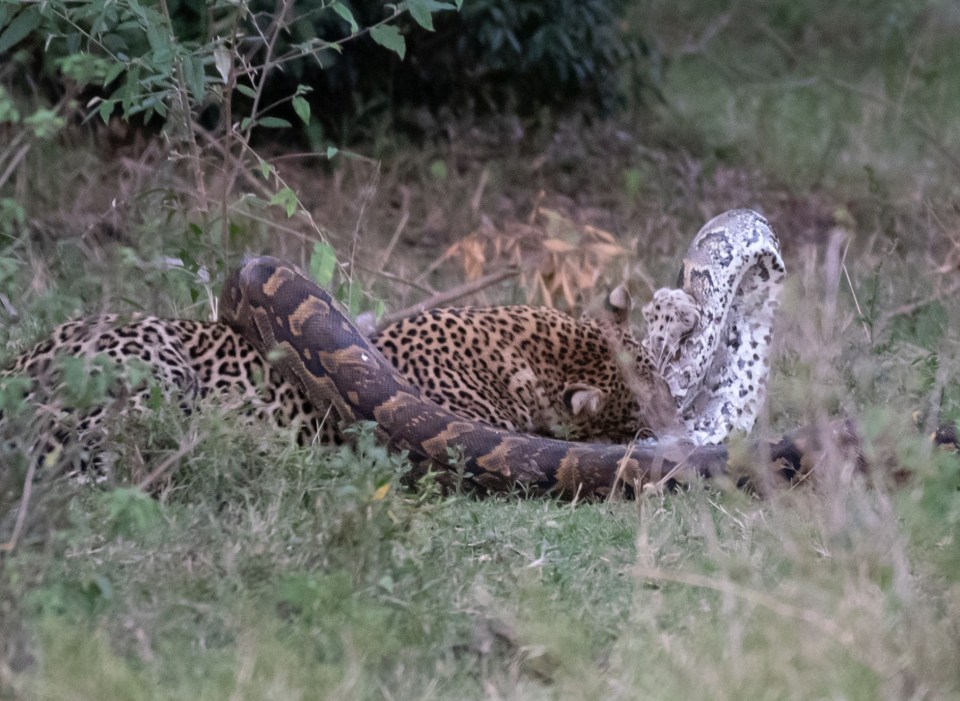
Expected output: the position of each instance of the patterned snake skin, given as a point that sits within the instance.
(717, 327)
(710, 339)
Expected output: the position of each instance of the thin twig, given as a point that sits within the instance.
(853, 292)
(919, 128)
(366, 196)
(910, 307)
(437, 262)
(229, 135)
(478, 192)
(14, 162)
(935, 395)
(404, 218)
(318, 45)
(235, 207)
(277, 26)
(182, 97)
(251, 180)
(448, 296)
(698, 46)
(8, 306)
(169, 461)
(22, 510)
(426, 289)
(779, 42)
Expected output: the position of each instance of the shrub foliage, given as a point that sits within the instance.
(283, 61)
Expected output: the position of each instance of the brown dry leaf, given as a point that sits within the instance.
(568, 295)
(498, 242)
(453, 250)
(473, 259)
(605, 250)
(586, 279)
(601, 234)
(558, 246)
(563, 258)
(544, 292)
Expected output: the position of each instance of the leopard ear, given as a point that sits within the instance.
(620, 303)
(579, 397)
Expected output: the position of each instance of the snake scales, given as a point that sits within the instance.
(710, 339)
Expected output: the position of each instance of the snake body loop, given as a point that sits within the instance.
(711, 338)
(309, 338)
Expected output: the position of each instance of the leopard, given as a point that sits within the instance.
(130, 365)
(518, 368)
(534, 370)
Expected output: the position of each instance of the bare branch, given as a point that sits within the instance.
(448, 296)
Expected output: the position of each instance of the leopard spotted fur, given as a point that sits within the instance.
(533, 370)
(138, 361)
(519, 368)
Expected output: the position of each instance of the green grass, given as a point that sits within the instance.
(302, 583)
(820, 94)
(266, 570)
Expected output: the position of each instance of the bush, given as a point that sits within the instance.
(518, 55)
(494, 55)
(550, 52)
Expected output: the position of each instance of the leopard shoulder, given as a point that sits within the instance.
(532, 370)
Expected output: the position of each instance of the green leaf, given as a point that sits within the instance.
(130, 90)
(420, 11)
(265, 169)
(331, 152)
(114, 43)
(287, 199)
(438, 169)
(161, 52)
(45, 123)
(323, 261)
(246, 90)
(106, 109)
(115, 70)
(273, 123)
(302, 108)
(345, 13)
(20, 28)
(193, 72)
(131, 513)
(390, 37)
(355, 300)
